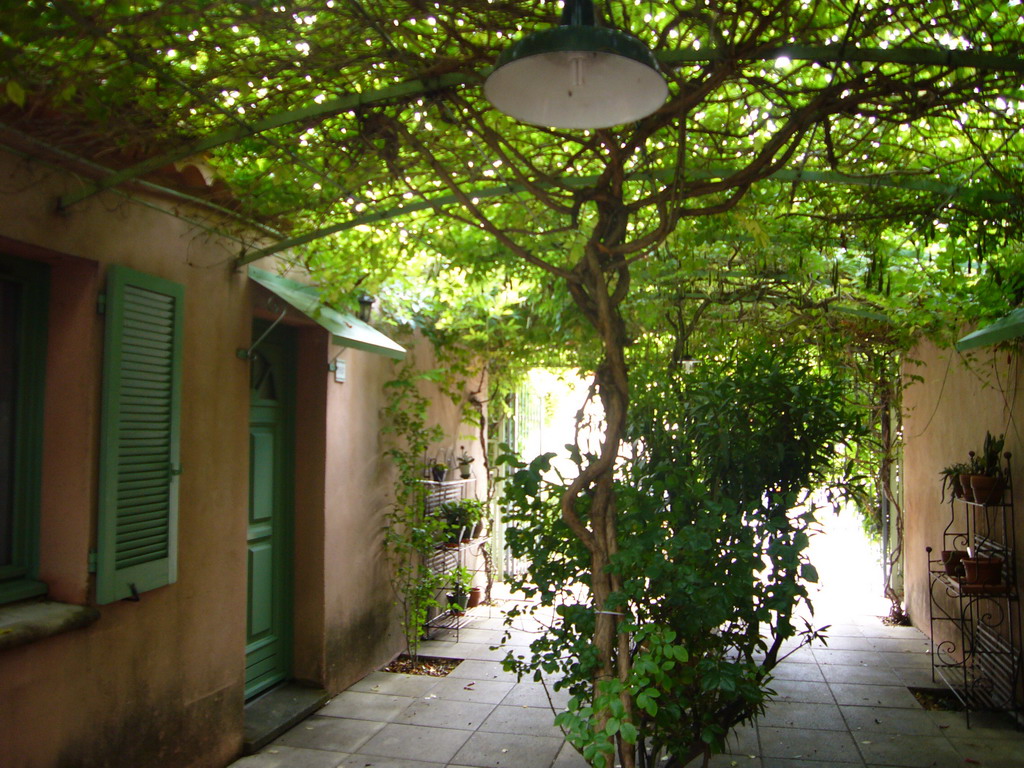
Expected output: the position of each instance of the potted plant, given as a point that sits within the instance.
(438, 470)
(458, 598)
(464, 461)
(987, 478)
(983, 570)
(463, 517)
(951, 479)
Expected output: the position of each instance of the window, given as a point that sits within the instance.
(23, 315)
(139, 446)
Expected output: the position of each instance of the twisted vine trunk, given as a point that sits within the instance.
(600, 302)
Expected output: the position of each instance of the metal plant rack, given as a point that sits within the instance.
(978, 655)
(447, 558)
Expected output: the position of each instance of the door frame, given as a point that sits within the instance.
(282, 340)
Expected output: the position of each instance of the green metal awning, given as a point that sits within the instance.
(345, 330)
(1009, 327)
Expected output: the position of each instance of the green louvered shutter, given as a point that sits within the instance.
(139, 448)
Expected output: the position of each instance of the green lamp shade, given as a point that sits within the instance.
(576, 76)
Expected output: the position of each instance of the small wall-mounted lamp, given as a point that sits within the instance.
(338, 367)
(366, 302)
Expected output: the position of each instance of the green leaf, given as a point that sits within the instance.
(15, 93)
(629, 732)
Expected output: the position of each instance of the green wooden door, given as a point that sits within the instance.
(268, 642)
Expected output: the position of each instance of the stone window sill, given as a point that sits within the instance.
(32, 620)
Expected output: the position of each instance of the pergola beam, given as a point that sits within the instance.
(413, 88)
(787, 176)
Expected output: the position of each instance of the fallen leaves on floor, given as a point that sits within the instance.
(423, 665)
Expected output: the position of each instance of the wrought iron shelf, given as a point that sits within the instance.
(447, 558)
(976, 628)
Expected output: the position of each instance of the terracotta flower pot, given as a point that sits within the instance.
(475, 595)
(952, 561)
(983, 570)
(965, 485)
(986, 489)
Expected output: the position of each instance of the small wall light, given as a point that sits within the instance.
(366, 302)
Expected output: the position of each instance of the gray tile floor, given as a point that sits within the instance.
(836, 706)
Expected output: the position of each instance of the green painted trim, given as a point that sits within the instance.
(345, 330)
(20, 578)
(119, 574)
(279, 343)
(1008, 327)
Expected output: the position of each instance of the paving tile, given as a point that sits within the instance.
(482, 670)
(884, 630)
(847, 643)
(792, 714)
(357, 705)
(843, 629)
(280, 756)
(742, 741)
(991, 752)
(415, 742)
(874, 695)
(461, 650)
(568, 757)
(444, 713)
(916, 677)
(862, 720)
(919, 644)
(728, 761)
(905, 659)
(797, 744)
(536, 695)
(800, 690)
(993, 725)
(471, 634)
(395, 684)
(508, 750)
(375, 761)
(781, 762)
(850, 658)
(463, 689)
(908, 751)
(790, 671)
(863, 674)
(804, 654)
(522, 720)
(330, 733)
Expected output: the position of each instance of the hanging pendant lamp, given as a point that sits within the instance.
(577, 75)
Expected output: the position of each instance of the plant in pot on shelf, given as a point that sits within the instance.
(463, 517)
(464, 460)
(451, 514)
(983, 571)
(951, 479)
(987, 477)
(458, 598)
(438, 470)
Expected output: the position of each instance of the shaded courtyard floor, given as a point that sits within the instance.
(839, 706)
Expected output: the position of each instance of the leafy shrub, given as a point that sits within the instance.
(714, 513)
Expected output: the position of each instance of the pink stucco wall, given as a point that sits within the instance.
(141, 685)
(947, 413)
(160, 682)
